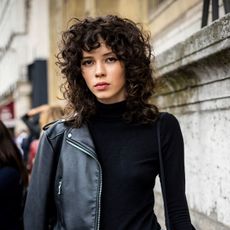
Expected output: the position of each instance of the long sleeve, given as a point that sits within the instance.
(173, 160)
(38, 205)
(32, 124)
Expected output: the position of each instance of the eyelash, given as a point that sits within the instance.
(108, 60)
(87, 62)
(111, 59)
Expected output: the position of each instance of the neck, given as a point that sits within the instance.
(110, 111)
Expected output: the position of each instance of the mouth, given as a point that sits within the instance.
(101, 85)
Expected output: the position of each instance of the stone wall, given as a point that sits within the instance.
(195, 86)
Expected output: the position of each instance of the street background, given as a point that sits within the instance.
(191, 41)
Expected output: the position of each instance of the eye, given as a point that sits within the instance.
(111, 59)
(88, 62)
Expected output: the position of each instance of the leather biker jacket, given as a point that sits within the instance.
(66, 183)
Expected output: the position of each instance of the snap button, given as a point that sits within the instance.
(69, 135)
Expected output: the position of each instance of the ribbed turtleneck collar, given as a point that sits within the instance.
(110, 111)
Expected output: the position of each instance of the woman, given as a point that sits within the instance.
(97, 169)
(13, 182)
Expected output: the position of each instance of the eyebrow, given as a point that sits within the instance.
(104, 55)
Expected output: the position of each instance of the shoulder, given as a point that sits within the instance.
(168, 119)
(55, 128)
(169, 124)
(9, 175)
(9, 171)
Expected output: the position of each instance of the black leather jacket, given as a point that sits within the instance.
(66, 184)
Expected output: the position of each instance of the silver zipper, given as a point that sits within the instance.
(100, 185)
(59, 187)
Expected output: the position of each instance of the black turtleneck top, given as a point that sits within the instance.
(128, 154)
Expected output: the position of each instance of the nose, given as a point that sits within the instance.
(100, 70)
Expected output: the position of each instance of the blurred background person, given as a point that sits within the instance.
(46, 114)
(31, 120)
(13, 182)
(20, 139)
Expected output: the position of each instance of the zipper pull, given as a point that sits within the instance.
(59, 187)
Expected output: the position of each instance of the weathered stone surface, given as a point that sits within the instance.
(208, 41)
(194, 81)
(199, 220)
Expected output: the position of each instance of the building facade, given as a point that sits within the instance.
(193, 68)
(24, 50)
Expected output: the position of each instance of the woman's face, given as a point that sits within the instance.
(104, 74)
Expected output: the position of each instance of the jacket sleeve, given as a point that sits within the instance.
(39, 202)
(173, 160)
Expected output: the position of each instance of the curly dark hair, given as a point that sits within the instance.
(130, 44)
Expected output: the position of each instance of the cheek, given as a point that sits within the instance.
(122, 72)
(86, 77)
(118, 72)
(122, 77)
(89, 83)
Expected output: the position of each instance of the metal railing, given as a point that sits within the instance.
(215, 10)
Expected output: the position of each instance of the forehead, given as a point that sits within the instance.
(102, 49)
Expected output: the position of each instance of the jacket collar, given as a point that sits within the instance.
(83, 136)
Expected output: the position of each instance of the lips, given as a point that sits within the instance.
(101, 85)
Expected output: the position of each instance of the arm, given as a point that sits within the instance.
(39, 202)
(37, 110)
(31, 124)
(173, 160)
